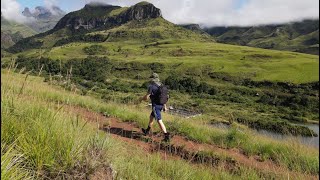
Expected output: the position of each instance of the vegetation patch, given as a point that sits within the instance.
(276, 126)
(81, 38)
(95, 50)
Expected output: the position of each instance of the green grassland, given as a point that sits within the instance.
(253, 63)
(132, 59)
(158, 40)
(45, 136)
(107, 70)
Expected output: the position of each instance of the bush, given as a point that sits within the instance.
(276, 126)
(25, 44)
(94, 50)
(189, 85)
(91, 68)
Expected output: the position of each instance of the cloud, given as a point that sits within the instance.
(50, 4)
(204, 12)
(230, 12)
(11, 10)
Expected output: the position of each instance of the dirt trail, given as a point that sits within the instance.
(182, 148)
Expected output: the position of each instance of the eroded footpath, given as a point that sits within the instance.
(182, 148)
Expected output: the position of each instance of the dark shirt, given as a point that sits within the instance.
(152, 90)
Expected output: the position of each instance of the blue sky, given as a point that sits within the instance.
(240, 3)
(31, 4)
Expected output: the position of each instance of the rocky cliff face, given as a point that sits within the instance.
(44, 18)
(94, 16)
(142, 11)
(44, 13)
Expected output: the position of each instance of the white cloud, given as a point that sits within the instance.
(204, 12)
(50, 3)
(11, 10)
(224, 13)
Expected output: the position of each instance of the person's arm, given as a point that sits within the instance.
(145, 97)
(165, 109)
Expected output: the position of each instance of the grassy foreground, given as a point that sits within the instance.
(40, 141)
(51, 143)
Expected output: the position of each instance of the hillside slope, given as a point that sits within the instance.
(12, 32)
(104, 23)
(299, 36)
(140, 33)
(57, 130)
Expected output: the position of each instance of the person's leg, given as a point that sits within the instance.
(162, 126)
(160, 122)
(152, 116)
(150, 124)
(151, 120)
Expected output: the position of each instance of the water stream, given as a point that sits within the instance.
(309, 141)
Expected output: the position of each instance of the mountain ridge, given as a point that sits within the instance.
(100, 23)
(44, 18)
(13, 32)
(102, 17)
(300, 36)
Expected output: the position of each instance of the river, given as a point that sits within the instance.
(309, 141)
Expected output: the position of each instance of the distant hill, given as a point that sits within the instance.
(45, 18)
(298, 36)
(194, 27)
(102, 23)
(12, 32)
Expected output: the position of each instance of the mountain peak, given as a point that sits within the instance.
(142, 3)
(100, 15)
(26, 12)
(144, 10)
(97, 4)
(41, 12)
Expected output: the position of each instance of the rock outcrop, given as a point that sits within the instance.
(94, 16)
(43, 13)
(43, 18)
(26, 12)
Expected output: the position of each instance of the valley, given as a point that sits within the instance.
(83, 79)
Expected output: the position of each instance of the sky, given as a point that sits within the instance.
(204, 12)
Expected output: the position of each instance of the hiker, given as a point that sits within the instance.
(158, 95)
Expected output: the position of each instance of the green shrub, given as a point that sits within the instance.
(95, 50)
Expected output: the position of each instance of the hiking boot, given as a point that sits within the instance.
(145, 131)
(166, 137)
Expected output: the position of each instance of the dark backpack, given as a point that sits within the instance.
(162, 95)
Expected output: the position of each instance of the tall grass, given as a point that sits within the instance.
(299, 158)
(12, 164)
(49, 141)
(41, 142)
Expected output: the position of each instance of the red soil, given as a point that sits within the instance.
(130, 133)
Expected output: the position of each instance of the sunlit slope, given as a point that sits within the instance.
(139, 33)
(254, 63)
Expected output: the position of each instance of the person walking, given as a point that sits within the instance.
(158, 95)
